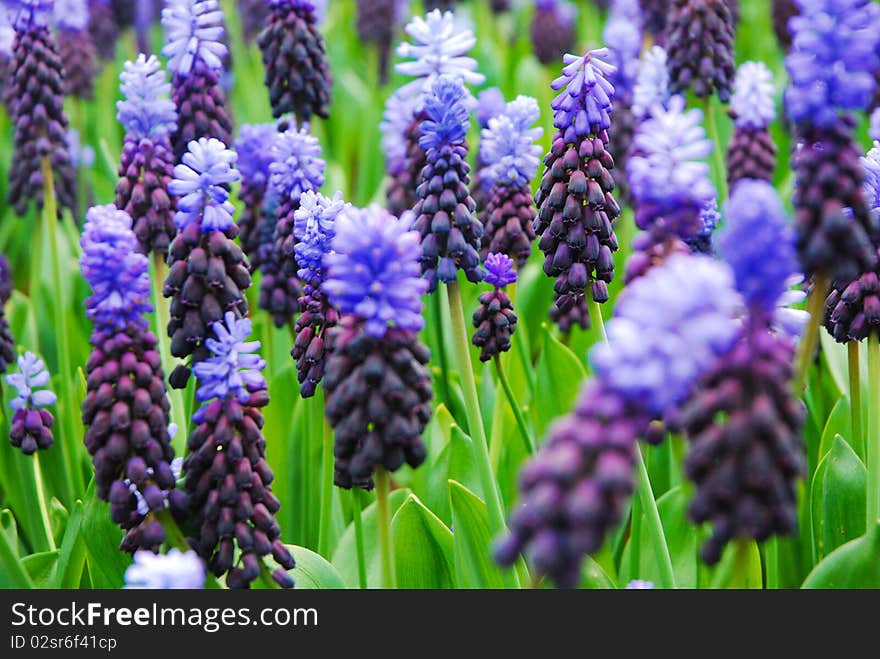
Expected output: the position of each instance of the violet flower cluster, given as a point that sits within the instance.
(751, 153)
(494, 318)
(552, 29)
(31, 425)
(76, 48)
(253, 147)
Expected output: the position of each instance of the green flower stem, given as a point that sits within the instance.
(383, 510)
(807, 347)
(59, 310)
(356, 509)
(326, 491)
(441, 347)
(771, 558)
(475, 421)
(41, 500)
(872, 507)
(718, 163)
(517, 411)
(855, 394)
(595, 311)
(174, 538)
(163, 315)
(635, 540)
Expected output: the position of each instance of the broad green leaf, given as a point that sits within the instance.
(739, 567)
(422, 547)
(593, 577)
(312, 571)
(839, 423)
(345, 556)
(41, 567)
(559, 377)
(852, 565)
(838, 497)
(12, 572)
(106, 563)
(471, 540)
(834, 355)
(71, 560)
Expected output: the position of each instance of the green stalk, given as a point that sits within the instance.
(383, 510)
(872, 506)
(174, 538)
(810, 340)
(441, 347)
(326, 491)
(356, 509)
(475, 421)
(59, 308)
(596, 316)
(855, 394)
(719, 165)
(771, 558)
(41, 500)
(163, 315)
(517, 411)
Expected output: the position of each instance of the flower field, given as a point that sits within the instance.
(442, 295)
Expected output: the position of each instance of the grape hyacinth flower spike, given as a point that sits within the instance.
(7, 342)
(490, 103)
(253, 147)
(296, 167)
(576, 206)
(377, 384)
(147, 163)
(171, 571)
(669, 327)
(494, 318)
(744, 423)
(227, 476)
(314, 228)
(508, 148)
(195, 51)
(376, 22)
(295, 57)
(37, 111)
(76, 48)
(208, 272)
(651, 87)
(439, 47)
(444, 215)
(752, 152)
(31, 425)
(699, 38)
(126, 408)
(552, 29)
(103, 28)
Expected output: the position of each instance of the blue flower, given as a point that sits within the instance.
(499, 270)
(752, 101)
(373, 271)
(669, 326)
(758, 243)
(31, 376)
(508, 144)
(833, 58)
(199, 183)
(254, 152)
(668, 169)
(27, 14)
(297, 165)
(447, 119)
(638, 584)
(584, 102)
(234, 367)
(117, 274)
(146, 112)
(396, 119)
(314, 224)
(194, 31)
(874, 129)
(71, 15)
(871, 187)
(174, 570)
(439, 48)
(490, 103)
(623, 35)
(652, 83)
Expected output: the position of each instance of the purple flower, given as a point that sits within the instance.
(254, 154)
(147, 111)
(584, 101)
(194, 31)
(871, 187)
(71, 14)
(200, 182)
(234, 367)
(638, 584)
(396, 119)
(758, 243)
(314, 228)
(752, 101)
(652, 83)
(623, 35)
(447, 119)
(490, 103)
(508, 144)
(297, 164)
(29, 13)
(833, 58)
(28, 381)
(669, 326)
(117, 274)
(174, 570)
(500, 271)
(373, 271)
(874, 130)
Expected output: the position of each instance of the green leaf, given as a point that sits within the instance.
(852, 565)
(559, 377)
(422, 547)
(345, 556)
(41, 567)
(593, 577)
(838, 498)
(739, 567)
(839, 423)
(106, 563)
(472, 540)
(71, 561)
(835, 356)
(312, 571)
(13, 574)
